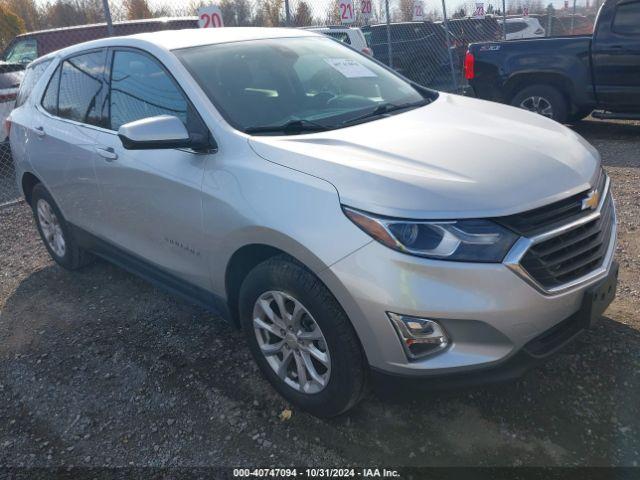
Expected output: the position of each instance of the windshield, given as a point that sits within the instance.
(24, 51)
(301, 81)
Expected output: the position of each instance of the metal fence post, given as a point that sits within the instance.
(504, 20)
(389, 49)
(107, 17)
(448, 35)
(287, 13)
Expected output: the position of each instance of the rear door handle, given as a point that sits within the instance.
(40, 131)
(108, 153)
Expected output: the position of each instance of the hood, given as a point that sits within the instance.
(454, 158)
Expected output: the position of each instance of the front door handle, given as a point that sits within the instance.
(40, 131)
(108, 153)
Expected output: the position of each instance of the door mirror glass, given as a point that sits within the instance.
(162, 131)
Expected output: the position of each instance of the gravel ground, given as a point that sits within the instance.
(100, 368)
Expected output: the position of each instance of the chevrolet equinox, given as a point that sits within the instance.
(354, 224)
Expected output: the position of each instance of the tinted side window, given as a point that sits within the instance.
(50, 98)
(31, 77)
(82, 88)
(627, 19)
(141, 88)
(513, 27)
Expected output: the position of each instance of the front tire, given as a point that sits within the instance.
(56, 232)
(301, 338)
(545, 100)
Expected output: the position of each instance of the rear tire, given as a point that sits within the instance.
(544, 100)
(56, 232)
(326, 376)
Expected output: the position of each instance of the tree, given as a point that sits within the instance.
(460, 13)
(10, 25)
(29, 11)
(243, 12)
(303, 16)
(235, 12)
(333, 13)
(137, 9)
(405, 10)
(272, 11)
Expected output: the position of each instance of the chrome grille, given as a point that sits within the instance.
(574, 254)
(550, 216)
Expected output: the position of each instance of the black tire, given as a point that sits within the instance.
(551, 95)
(74, 257)
(346, 384)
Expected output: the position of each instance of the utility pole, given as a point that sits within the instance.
(107, 17)
(389, 49)
(287, 12)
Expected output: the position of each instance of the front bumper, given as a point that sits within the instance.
(491, 314)
(535, 352)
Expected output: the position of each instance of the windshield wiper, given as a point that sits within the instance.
(383, 109)
(290, 127)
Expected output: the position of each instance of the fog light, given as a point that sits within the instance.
(419, 336)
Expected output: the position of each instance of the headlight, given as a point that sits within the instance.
(459, 240)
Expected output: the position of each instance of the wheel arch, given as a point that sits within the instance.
(242, 261)
(523, 80)
(28, 182)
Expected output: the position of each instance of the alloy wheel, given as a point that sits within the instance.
(51, 228)
(538, 105)
(291, 341)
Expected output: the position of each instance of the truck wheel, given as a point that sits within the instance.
(301, 338)
(544, 100)
(56, 232)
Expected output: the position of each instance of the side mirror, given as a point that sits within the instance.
(163, 131)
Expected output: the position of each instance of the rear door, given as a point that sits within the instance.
(616, 57)
(152, 200)
(63, 134)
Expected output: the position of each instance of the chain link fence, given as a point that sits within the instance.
(425, 40)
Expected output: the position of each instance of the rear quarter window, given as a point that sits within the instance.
(31, 77)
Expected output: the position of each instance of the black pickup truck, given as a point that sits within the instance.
(566, 78)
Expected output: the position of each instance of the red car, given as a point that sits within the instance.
(27, 47)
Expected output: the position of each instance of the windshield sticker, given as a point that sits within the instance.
(350, 68)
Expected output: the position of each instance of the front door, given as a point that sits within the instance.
(152, 205)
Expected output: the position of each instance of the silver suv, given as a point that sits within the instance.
(354, 224)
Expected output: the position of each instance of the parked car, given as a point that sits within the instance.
(10, 77)
(470, 30)
(566, 78)
(419, 50)
(525, 27)
(561, 26)
(27, 47)
(356, 225)
(352, 36)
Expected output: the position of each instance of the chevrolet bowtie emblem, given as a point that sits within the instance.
(591, 201)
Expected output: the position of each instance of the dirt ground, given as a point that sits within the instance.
(98, 368)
